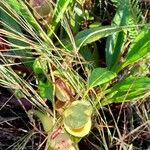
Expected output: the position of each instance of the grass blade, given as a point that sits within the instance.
(60, 8)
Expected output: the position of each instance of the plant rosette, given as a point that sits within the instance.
(77, 118)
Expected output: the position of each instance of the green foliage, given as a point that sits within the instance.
(128, 13)
(68, 67)
(139, 48)
(100, 76)
(20, 8)
(10, 23)
(131, 83)
(40, 66)
(60, 8)
(125, 91)
(46, 90)
(135, 17)
(91, 35)
(45, 87)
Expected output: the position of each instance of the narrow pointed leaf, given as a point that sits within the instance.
(20, 8)
(115, 42)
(60, 8)
(11, 23)
(93, 34)
(125, 91)
(132, 83)
(88, 36)
(139, 48)
(125, 96)
(100, 76)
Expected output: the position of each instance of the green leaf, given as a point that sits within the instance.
(46, 89)
(100, 76)
(128, 13)
(123, 96)
(10, 23)
(139, 48)
(60, 8)
(88, 36)
(20, 8)
(91, 55)
(40, 66)
(93, 34)
(132, 83)
(115, 42)
(128, 89)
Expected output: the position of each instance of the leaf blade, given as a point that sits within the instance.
(100, 76)
(59, 10)
(139, 48)
(90, 35)
(124, 90)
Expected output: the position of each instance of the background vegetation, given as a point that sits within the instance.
(78, 71)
